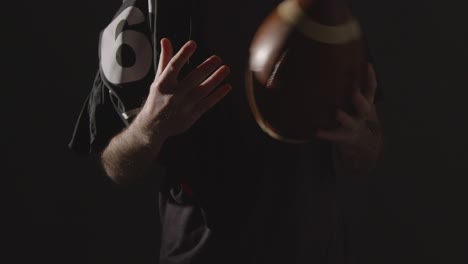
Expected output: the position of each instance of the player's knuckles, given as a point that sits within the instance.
(161, 85)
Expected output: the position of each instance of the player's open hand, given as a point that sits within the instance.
(359, 136)
(175, 104)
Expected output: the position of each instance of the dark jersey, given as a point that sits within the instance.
(230, 193)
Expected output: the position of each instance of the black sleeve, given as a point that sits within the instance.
(97, 123)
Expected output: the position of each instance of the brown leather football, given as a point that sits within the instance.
(306, 60)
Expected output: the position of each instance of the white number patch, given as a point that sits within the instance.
(112, 39)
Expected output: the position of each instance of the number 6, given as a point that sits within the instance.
(113, 38)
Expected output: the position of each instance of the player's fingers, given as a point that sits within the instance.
(361, 104)
(206, 104)
(178, 61)
(209, 84)
(345, 120)
(166, 55)
(199, 74)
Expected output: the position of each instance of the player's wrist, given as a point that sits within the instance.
(147, 134)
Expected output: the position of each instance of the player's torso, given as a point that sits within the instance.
(242, 178)
(226, 153)
(221, 156)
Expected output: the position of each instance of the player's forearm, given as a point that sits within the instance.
(131, 154)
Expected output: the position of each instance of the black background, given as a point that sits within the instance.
(60, 209)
